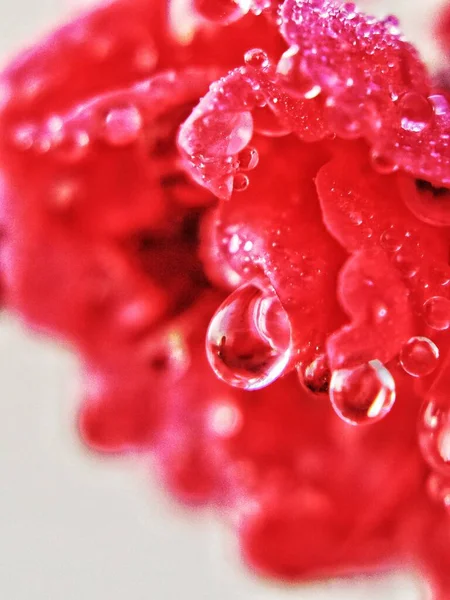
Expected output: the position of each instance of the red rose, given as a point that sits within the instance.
(275, 179)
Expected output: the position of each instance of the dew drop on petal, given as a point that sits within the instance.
(316, 376)
(248, 159)
(248, 342)
(290, 76)
(122, 125)
(438, 488)
(382, 164)
(240, 182)
(362, 394)
(257, 59)
(416, 113)
(436, 312)
(222, 12)
(217, 134)
(392, 239)
(428, 203)
(419, 356)
(434, 435)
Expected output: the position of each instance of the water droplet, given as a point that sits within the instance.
(434, 436)
(407, 263)
(382, 164)
(343, 122)
(122, 125)
(428, 203)
(24, 136)
(240, 182)
(392, 239)
(221, 11)
(249, 338)
(217, 134)
(362, 394)
(416, 112)
(73, 146)
(316, 376)
(248, 159)
(438, 488)
(436, 312)
(257, 59)
(419, 356)
(291, 77)
(267, 123)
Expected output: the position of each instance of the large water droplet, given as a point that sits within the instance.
(434, 436)
(428, 203)
(416, 112)
(222, 11)
(122, 125)
(419, 356)
(362, 394)
(436, 312)
(249, 338)
(217, 134)
(293, 80)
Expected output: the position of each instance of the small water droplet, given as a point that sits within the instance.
(249, 338)
(416, 112)
(406, 263)
(122, 125)
(362, 394)
(240, 182)
(392, 239)
(343, 122)
(316, 376)
(436, 312)
(419, 356)
(73, 147)
(434, 435)
(438, 488)
(257, 59)
(248, 159)
(382, 164)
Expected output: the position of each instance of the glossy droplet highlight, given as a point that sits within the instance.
(122, 125)
(362, 394)
(419, 356)
(416, 112)
(436, 312)
(434, 436)
(249, 338)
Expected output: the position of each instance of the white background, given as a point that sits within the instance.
(77, 527)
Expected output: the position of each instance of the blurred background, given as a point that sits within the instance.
(77, 526)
